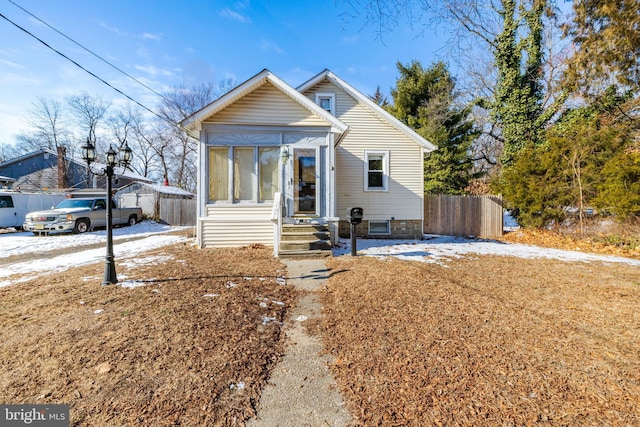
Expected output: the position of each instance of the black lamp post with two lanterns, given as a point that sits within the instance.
(121, 158)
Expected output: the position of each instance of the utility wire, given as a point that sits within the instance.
(87, 71)
(89, 50)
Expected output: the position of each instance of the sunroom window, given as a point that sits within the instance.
(268, 165)
(243, 174)
(243, 165)
(218, 174)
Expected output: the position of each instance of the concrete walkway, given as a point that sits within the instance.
(301, 390)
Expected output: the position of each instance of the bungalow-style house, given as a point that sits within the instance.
(48, 169)
(277, 162)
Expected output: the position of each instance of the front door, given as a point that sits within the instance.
(305, 181)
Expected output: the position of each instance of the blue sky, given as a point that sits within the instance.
(169, 43)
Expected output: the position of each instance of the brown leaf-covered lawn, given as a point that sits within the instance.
(191, 347)
(483, 340)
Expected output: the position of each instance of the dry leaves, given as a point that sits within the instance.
(193, 346)
(485, 341)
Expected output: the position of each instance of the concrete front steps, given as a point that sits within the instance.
(304, 241)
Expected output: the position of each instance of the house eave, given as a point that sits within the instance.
(194, 122)
(376, 109)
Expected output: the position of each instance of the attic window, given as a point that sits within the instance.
(327, 101)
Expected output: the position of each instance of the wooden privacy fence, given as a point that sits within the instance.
(178, 211)
(479, 216)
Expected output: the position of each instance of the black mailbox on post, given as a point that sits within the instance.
(355, 218)
(355, 215)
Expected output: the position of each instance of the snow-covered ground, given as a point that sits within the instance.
(149, 235)
(128, 244)
(436, 249)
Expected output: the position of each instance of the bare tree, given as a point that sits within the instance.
(499, 47)
(47, 127)
(9, 151)
(181, 151)
(89, 112)
(143, 140)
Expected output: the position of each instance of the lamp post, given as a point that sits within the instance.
(123, 158)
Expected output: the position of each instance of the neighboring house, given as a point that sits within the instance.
(6, 182)
(48, 169)
(150, 198)
(324, 147)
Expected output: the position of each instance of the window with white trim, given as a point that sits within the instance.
(327, 101)
(243, 174)
(379, 227)
(376, 172)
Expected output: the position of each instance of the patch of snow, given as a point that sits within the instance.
(25, 242)
(301, 318)
(266, 320)
(130, 284)
(509, 223)
(150, 260)
(150, 235)
(210, 295)
(238, 386)
(437, 249)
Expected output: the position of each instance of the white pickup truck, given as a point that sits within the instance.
(79, 216)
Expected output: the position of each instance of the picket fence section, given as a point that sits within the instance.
(179, 212)
(479, 216)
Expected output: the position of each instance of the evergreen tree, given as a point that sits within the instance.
(424, 100)
(589, 160)
(606, 34)
(379, 98)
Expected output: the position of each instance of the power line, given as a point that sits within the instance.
(87, 71)
(88, 50)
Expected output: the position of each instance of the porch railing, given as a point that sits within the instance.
(276, 218)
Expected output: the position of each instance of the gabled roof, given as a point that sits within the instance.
(363, 99)
(97, 165)
(194, 121)
(36, 153)
(161, 189)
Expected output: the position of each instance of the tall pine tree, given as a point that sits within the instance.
(424, 99)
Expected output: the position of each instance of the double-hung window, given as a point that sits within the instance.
(376, 171)
(243, 174)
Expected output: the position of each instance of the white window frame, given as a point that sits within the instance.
(255, 176)
(331, 97)
(385, 170)
(386, 233)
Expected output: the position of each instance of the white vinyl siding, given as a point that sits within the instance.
(236, 225)
(404, 198)
(268, 106)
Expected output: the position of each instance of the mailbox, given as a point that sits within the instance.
(355, 215)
